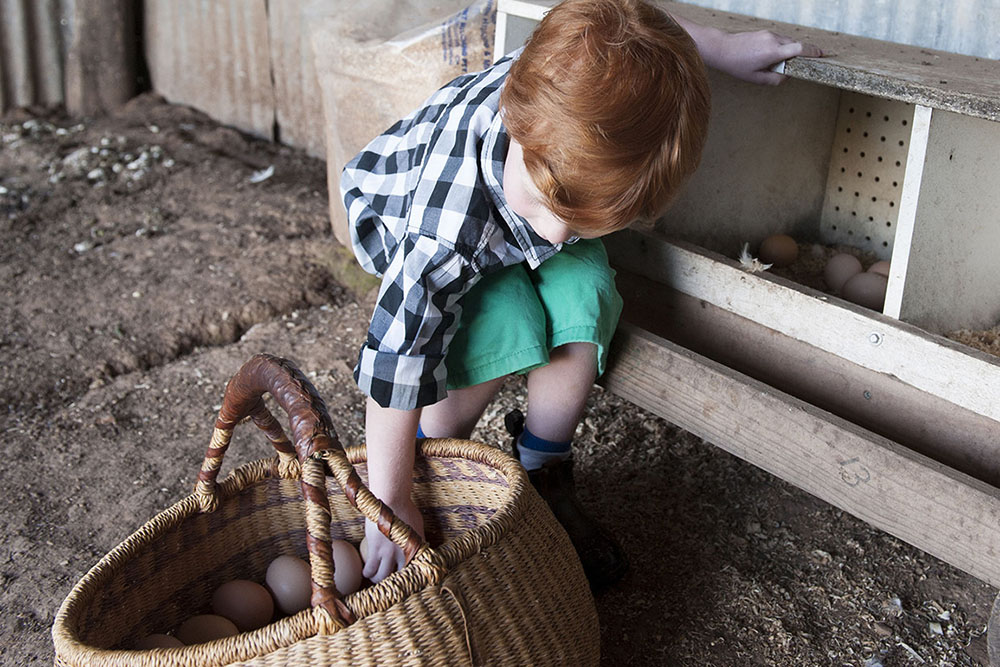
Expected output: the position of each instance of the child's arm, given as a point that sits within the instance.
(746, 55)
(391, 438)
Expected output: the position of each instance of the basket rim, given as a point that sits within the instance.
(429, 567)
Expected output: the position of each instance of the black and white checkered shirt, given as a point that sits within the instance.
(427, 213)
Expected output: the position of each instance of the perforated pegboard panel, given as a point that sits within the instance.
(866, 173)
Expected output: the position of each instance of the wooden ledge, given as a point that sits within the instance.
(935, 508)
(938, 79)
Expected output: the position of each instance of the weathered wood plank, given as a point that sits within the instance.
(941, 511)
(879, 402)
(936, 79)
(909, 202)
(934, 364)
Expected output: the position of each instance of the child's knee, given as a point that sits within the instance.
(578, 355)
(579, 349)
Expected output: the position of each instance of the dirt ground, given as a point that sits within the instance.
(143, 258)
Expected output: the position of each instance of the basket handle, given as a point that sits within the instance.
(315, 443)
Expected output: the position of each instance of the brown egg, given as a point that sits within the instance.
(779, 250)
(245, 603)
(290, 582)
(880, 267)
(158, 640)
(346, 567)
(839, 269)
(204, 628)
(866, 289)
(363, 549)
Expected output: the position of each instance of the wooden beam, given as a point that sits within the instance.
(934, 364)
(879, 402)
(939, 510)
(993, 634)
(909, 198)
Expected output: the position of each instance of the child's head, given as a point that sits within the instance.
(609, 102)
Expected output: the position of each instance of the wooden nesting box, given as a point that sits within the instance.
(893, 150)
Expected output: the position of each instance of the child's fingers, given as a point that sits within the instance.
(790, 47)
(380, 565)
(382, 558)
(371, 566)
(794, 49)
(766, 78)
(386, 567)
(811, 51)
(774, 74)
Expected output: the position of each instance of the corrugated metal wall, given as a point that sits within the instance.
(214, 55)
(34, 37)
(298, 107)
(246, 63)
(960, 26)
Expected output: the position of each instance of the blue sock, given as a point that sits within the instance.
(536, 452)
(420, 432)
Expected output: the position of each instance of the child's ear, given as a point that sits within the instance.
(642, 225)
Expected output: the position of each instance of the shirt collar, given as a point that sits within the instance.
(536, 249)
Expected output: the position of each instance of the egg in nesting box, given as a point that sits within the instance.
(839, 269)
(880, 267)
(866, 289)
(778, 250)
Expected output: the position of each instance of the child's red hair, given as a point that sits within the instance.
(610, 102)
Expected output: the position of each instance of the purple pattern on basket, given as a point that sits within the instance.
(469, 516)
(441, 522)
(246, 506)
(459, 473)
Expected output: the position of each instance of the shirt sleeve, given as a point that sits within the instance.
(401, 365)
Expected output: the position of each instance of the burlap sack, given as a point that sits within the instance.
(376, 65)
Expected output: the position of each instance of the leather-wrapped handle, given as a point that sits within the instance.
(315, 444)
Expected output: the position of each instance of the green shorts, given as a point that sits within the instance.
(513, 318)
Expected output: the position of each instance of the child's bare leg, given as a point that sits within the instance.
(557, 396)
(459, 412)
(557, 392)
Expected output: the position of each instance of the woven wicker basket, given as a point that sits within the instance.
(502, 586)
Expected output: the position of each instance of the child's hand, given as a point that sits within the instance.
(750, 55)
(384, 557)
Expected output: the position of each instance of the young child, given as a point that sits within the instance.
(482, 213)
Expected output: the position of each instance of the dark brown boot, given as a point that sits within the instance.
(603, 560)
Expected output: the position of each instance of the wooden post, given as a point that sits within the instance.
(101, 61)
(993, 634)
